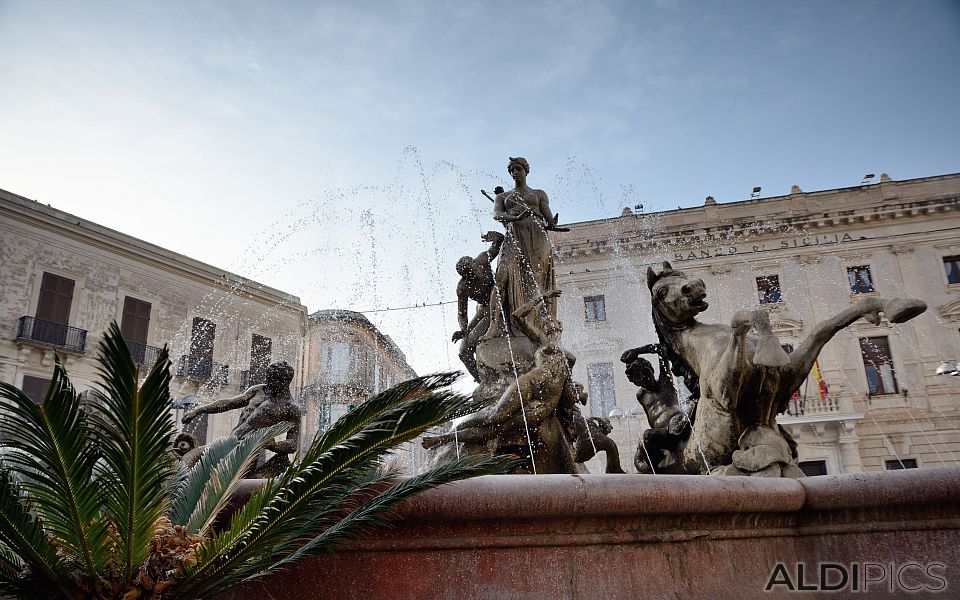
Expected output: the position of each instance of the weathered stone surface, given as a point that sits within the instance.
(622, 536)
(739, 375)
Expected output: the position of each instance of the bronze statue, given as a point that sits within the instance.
(476, 283)
(263, 405)
(529, 404)
(512, 346)
(525, 269)
(669, 424)
(183, 443)
(743, 380)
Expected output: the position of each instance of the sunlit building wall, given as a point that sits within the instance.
(878, 402)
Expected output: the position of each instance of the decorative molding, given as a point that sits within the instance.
(718, 270)
(951, 311)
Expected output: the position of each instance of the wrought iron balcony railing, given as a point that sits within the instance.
(143, 354)
(248, 378)
(55, 334)
(202, 369)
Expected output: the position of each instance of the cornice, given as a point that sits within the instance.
(32, 213)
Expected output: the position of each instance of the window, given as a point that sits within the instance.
(596, 308)
(600, 384)
(260, 350)
(951, 264)
(134, 324)
(860, 280)
(198, 365)
(201, 338)
(881, 378)
(336, 362)
(35, 387)
(53, 309)
(812, 468)
(903, 463)
(768, 289)
(56, 296)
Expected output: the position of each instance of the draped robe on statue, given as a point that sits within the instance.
(525, 269)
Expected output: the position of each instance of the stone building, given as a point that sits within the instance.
(878, 401)
(347, 360)
(64, 279)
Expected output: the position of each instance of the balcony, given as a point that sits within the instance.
(142, 354)
(63, 336)
(800, 407)
(202, 369)
(249, 378)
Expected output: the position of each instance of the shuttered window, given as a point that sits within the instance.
(35, 387)
(56, 296)
(135, 321)
(202, 337)
(260, 349)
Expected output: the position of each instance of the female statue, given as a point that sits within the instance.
(525, 270)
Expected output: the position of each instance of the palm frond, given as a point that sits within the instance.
(24, 540)
(11, 568)
(355, 420)
(376, 511)
(54, 456)
(288, 508)
(226, 474)
(134, 427)
(188, 493)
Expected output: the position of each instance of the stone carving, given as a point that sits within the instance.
(512, 347)
(528, 404)
(741, 381)
(592, 437)
(525, 269)
(183, 444)
(263, 405)
(669, 424)
(476, 283)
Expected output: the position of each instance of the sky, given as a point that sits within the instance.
(336, 150)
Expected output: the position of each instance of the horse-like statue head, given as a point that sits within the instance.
(676, 299)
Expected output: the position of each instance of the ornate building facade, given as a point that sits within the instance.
(347, 360)
(64, 279)
(875, 400)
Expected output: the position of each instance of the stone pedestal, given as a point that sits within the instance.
(674, 536)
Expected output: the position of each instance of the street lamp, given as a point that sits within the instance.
(177, 404)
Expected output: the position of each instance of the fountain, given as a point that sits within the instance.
(550, 534)
(512, 346)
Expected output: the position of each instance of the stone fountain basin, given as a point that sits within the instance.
(650, 536)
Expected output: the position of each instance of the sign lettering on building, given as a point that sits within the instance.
(815, 240)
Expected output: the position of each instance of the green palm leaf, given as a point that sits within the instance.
(221, 474)
(54, 457)
(187, 494)
(24, 541)
(374, 512)
(309, 498)
(373, 408)
(134, 428)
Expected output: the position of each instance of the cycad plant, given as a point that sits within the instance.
(93, 504)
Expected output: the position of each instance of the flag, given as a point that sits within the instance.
(821, 384)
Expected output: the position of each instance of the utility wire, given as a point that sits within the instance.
(377, 310)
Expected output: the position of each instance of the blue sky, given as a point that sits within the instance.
(336, 150)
